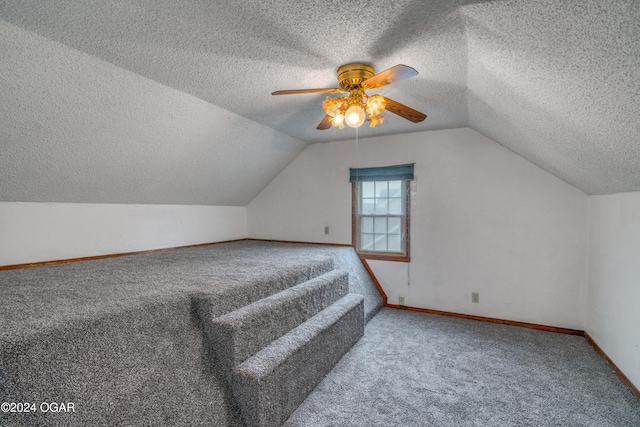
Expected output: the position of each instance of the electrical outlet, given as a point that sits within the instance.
(401, 300)
(475, 297)
(326, 229)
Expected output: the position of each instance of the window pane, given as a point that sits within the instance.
(394, 226)
(381, 225)
(381, 216)
(395, 206)
(367, 206)
(381, 206)
(367, 225)
(382, 188)
(380, 242)
(368, 189)
(366, 242)
(394, 241)
(395, 188)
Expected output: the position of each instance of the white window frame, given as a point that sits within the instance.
(357, 221)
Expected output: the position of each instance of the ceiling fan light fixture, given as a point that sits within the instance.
(375, 105)
(337, 121)
(355, 116)
(332, 106)
(376, 120)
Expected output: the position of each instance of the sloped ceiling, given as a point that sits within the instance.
(76, 129)
(557, 82)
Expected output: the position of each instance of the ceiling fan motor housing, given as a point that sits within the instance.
(351, 76)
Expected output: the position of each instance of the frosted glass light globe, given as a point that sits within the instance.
(375, 105)
(332, 106)
(354, 116)
(337, 121)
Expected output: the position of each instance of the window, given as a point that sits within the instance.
(381, 211)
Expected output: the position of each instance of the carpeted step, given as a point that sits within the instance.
(271, 384)
(225, 299)
(240, 334)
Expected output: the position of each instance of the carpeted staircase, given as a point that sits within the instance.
(274, 351)
(227, 335)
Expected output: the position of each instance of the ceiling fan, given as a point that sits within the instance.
(354, 79)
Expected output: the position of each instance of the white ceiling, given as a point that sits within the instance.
(558, 82)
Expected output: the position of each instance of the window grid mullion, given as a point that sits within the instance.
(369, 237)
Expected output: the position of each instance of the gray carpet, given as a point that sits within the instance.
(272, 383)
(35, 299)
(122, 337)
(240, 334)
(416, 369)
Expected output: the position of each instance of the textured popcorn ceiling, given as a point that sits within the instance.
(558, 82)
(555, 81)
(77, 129)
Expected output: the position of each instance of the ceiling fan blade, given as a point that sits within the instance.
(404, 111)
(391, 75)
(325, 123)
(296, 91)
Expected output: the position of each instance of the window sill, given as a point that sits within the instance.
(384, 257)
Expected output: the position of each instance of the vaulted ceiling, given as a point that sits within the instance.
(557, 82)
